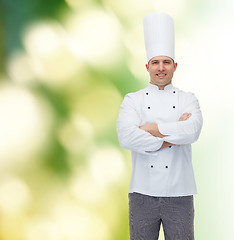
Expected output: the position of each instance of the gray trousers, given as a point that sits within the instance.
(146, 213)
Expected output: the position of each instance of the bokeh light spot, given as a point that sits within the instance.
(95, 37)
(100, 105)
(47, 44)
(22, 123)
(107, 166)
(20, 68)
(14, 196)
(76, 134)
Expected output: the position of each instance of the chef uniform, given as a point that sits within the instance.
(162, 182)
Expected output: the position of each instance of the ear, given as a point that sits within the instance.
(147, 67)
(175, 66)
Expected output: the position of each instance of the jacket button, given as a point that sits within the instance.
(173, 91)
(173, 106)
(148, 107)
(147, 93)
(166, 166)
(152, 166)
(169, 146)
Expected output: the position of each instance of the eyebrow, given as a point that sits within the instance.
(165, 60)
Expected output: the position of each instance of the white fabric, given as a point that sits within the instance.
(172, 171)
(159, 35)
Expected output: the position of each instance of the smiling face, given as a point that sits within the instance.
(161, 70)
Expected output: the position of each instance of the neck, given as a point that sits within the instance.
(160, 87)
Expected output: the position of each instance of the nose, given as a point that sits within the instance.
(161, 66)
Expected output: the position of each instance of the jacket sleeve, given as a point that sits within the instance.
(130, 135)
(184, 132)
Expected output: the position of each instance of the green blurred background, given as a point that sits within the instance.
(65, 66)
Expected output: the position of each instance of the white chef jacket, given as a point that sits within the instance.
(164, 172)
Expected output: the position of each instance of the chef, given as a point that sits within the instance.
(158, 124)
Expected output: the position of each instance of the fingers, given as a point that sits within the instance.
(188, 116)
(144, 127)
(185, 116)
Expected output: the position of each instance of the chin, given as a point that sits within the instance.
(162, 83)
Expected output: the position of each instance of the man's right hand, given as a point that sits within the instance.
(185, 116)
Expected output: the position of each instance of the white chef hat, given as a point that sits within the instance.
(159, 35)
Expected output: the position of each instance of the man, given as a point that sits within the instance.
(158, 124)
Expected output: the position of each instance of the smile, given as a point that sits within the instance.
(161, 75)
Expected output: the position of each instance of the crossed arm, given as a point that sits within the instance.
(149, 138)
(153, 129)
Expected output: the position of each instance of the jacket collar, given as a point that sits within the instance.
(155, 87)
